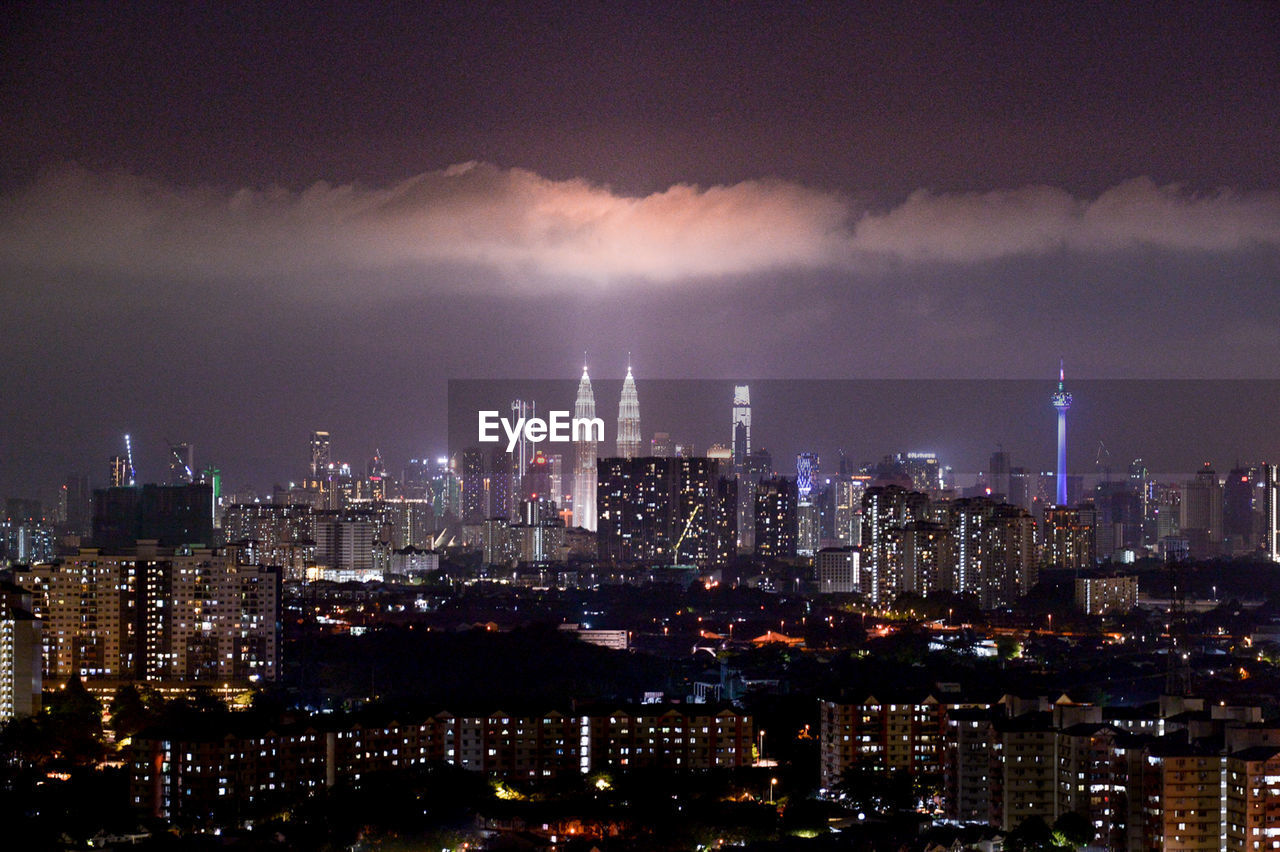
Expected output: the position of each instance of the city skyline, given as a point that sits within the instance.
(661, 425)
(859, 420)
(259, 226)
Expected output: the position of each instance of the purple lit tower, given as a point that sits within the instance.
(1062, 401)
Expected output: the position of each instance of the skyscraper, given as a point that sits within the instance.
(806, 474)
(629, 418)
(755, 466)
(1200, 515)
(998, 474)
(501, 474)
(21, 654)
(524, 451)
(584, 472)
(775, 518)
(1240, 516)
(76, 498)
(475, 498)
(319, 453)
(1061, 401)
(1271, 511)
(741, 444)
(158, 613)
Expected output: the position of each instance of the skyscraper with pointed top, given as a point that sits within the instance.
(1061, 401)
(629, 418)
(584, 470)
(741, 439)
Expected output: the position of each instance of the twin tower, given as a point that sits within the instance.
(584, 470)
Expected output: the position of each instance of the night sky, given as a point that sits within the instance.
(235, 223)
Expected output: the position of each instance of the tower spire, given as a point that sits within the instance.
(584, 475)
(629, 417)
(1061, 401)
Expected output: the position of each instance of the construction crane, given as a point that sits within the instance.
(675, 551)
(1102, 461)
(175, 450)
(128, 455)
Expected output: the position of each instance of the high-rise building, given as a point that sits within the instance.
(662, 446)
(1271, 511)
(1120, 518)
(76, 505)
(998, 471)
(665, 511)
(848, 510)
(886, 510)
(1061, 402)
(1201, 514)
(158, 614)
(629, 418)
(776, 518)
(212, 477)
(446, 490)
(555, 479)
(320, 456)
(880, 733)
(1252, 785)
(1240, 514)
(756, 466)
(584, 472)
(1102, 595)
(346, 542)
(1011, 555)
(475, 499)
(416, 479)
(523, 453)
(377, 485)
(927, 560)
(536, 483)
(501, 476)
(280, 535)
(806, 474)
(173, 515)
(1021, 488)
(21, 655)
(412, 523)
(808, 528)
(741, 439)
(1069, 539)
(837, 570)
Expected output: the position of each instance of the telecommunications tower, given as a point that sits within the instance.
(1061, 401)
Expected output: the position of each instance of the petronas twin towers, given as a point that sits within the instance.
(584, 471)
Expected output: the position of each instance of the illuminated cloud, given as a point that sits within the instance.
(535, 232)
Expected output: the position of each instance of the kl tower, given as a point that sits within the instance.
(1062, 401)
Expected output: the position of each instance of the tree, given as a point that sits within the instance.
(1007, 647)
(1071, 831)
(73, 719)
(1030, 835)
(133, 709)
(871, 791)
